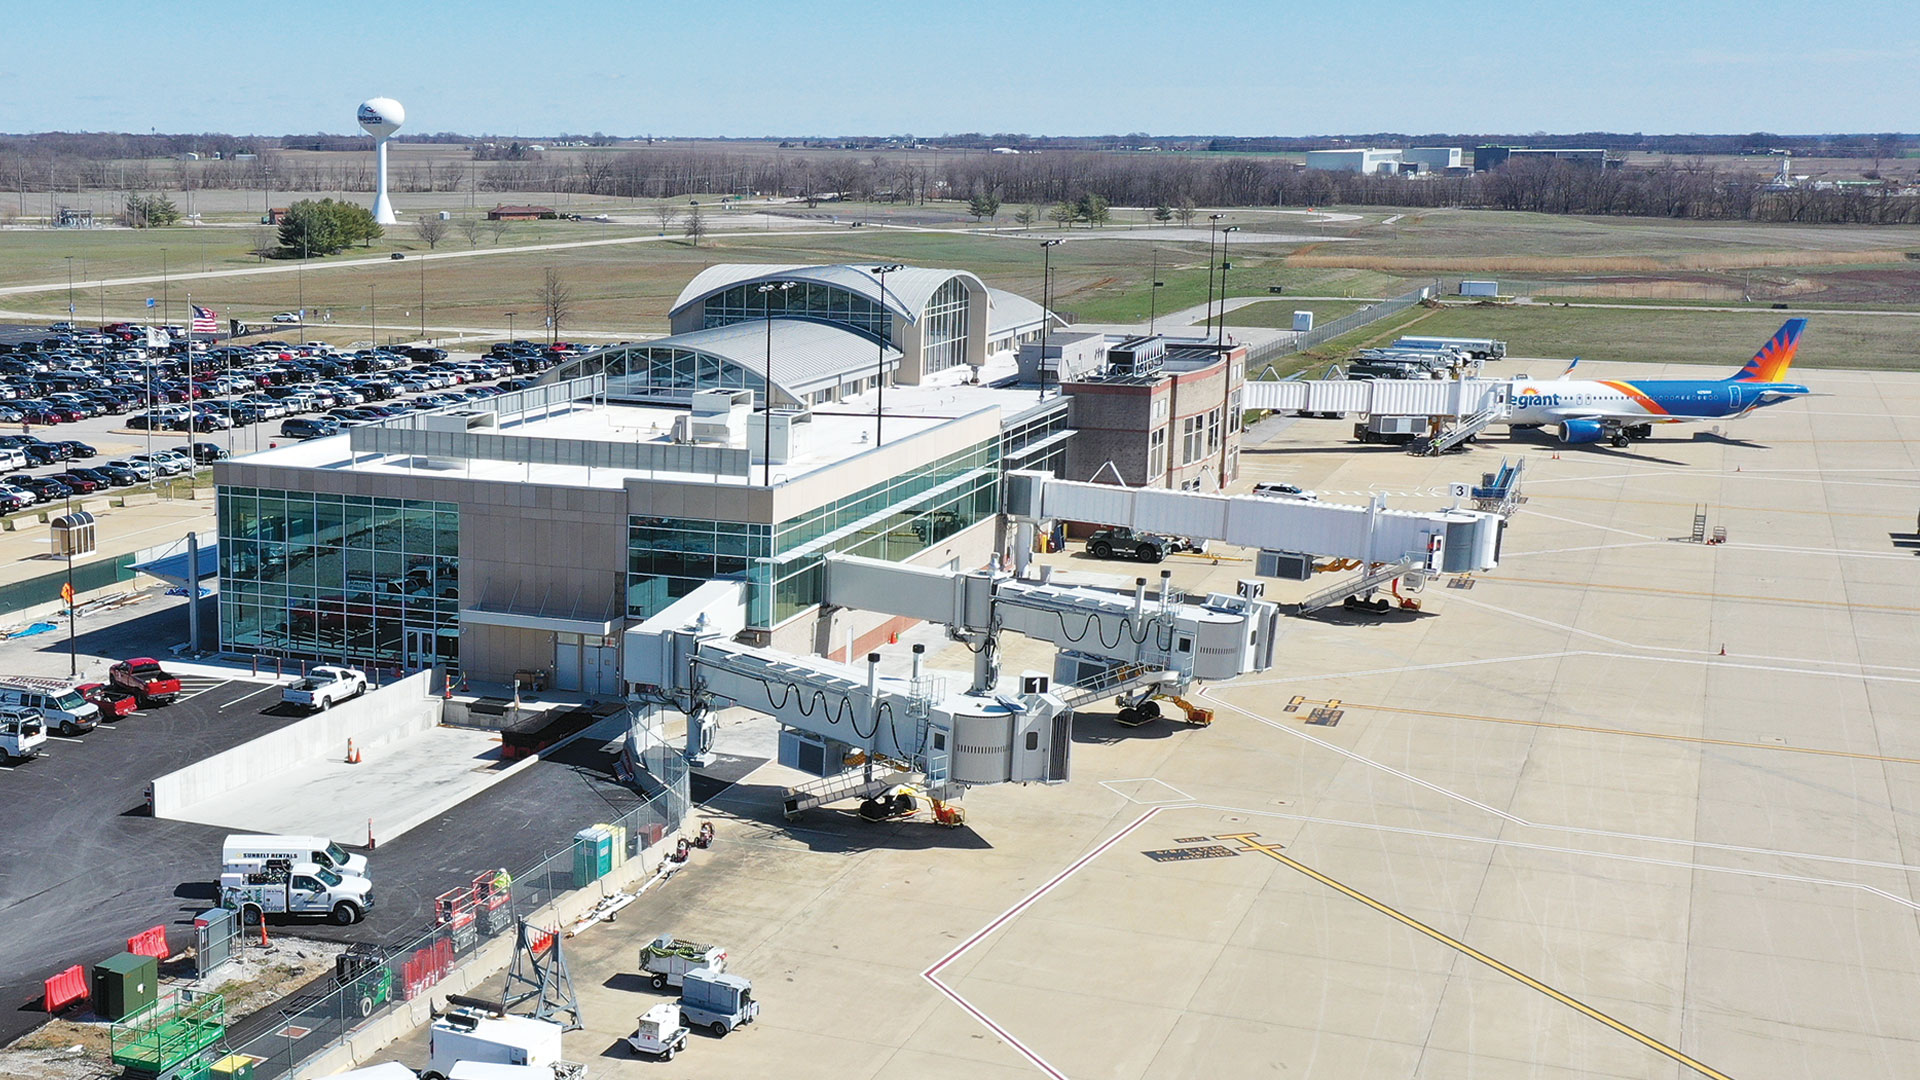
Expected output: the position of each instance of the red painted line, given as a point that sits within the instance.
(932, 973)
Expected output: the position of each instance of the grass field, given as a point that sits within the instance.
(1279, 313)
(1714, 338)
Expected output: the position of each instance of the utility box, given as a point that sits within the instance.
(73, 534)
(1302, 321)
(1285, 565)
(124, 985)
(592, 855)
(232, 1067)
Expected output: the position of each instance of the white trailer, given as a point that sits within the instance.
(1482, 348)
(467, 1036)
(660, 1032)
(667, 959)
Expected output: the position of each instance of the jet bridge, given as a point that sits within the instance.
(1447, 541)
(685, 658)
(1219, 638)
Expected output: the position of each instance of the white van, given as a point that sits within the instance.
(58, 702)
(13, 459)
(243, 853)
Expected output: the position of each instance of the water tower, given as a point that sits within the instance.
(381, 117)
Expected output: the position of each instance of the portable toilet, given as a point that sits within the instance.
(124, 985)
(592, 854)
(620, 852)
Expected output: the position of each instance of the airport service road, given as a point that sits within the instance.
(1542, 828)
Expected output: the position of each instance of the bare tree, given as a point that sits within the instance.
(498, 227)
(431, 229)
(668, 214)
(266, 243)
(696, 226)
(1184, 210)
(556, 299)
(470, 227)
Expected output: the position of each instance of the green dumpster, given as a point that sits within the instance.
(125, 984)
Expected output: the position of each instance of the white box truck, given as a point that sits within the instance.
(297, 889)
(467, 1035)
(242, 853)
(667, 960)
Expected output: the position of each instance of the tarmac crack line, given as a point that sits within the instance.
(1273, 852)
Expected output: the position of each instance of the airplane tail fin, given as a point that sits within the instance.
(1567, 374)
(1770, 364)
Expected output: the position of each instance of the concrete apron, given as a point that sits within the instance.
(484, 963)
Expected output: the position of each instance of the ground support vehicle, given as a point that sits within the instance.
(467, 1034)
(719, 1003)
(660, 1032)
(667, 960)
(1123, 543)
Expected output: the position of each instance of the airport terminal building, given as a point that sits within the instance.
(528, 533)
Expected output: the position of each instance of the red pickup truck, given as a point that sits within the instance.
(145, 679)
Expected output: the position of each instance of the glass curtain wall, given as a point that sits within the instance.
(944, 327)
(893, 520)
(805, 300)
(340, 577)
(662, 372)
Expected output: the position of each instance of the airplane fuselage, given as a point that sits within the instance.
(1644, 401)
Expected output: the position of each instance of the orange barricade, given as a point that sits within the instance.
(150, 942)
(66, 988)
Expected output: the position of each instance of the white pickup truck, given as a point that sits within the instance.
(325, 687)
(22, 734)
(297, 889)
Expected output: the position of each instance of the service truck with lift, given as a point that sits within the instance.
(297, 889)
(666, 960)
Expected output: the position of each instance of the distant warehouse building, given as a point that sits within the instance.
(1486, 158)
(1433, 158)
(1360, 161)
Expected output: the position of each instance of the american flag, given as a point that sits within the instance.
(204, 320)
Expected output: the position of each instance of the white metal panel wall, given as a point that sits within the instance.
(1385, 397)
(1270, 394)
(1338, 395)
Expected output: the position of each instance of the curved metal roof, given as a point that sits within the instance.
(807, 355)
(908, 288)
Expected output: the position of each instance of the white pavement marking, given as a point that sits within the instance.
(1608, 834)
(243, 697)
(1178, 795)
(1531, 512)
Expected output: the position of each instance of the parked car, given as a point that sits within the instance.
(146, 680)
(287, 317)
(77, 449)
(206, 453)
(324, 687)
(141, 470)
(117, 476)
(13, 498)
(301, 427)
(46, 488)
(80, 484)
(1124, 543)
(113, 704)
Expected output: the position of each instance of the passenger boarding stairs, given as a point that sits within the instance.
(1115, 681)
(1463, 429)
(1364, 583)
(861, 782)
(1499, 492)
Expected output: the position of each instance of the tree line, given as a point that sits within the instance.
(1677, 188)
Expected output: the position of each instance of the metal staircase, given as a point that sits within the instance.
(1466, 428)
(861, 782)
(1366, 581)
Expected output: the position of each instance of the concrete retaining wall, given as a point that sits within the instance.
(395, 711)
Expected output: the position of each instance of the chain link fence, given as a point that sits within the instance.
(1346, 324)
(369, 982)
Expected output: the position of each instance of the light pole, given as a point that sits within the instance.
(373, 316)
(300, 286)
(1220, 330)
(510, 326)
(73, 649)
(1213, 224)
(1046, 306)
(880, 371)
(1153, 292)
(166, 302)
(766, 421)
(423, 301)
(69, 259)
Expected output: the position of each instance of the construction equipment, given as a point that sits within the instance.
(364, 978)
(176, 1038)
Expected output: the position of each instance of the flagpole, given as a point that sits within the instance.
(192, 317)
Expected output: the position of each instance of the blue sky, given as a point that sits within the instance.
(747, 68)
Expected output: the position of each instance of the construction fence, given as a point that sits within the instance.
(370, 983)
(1346, 324)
